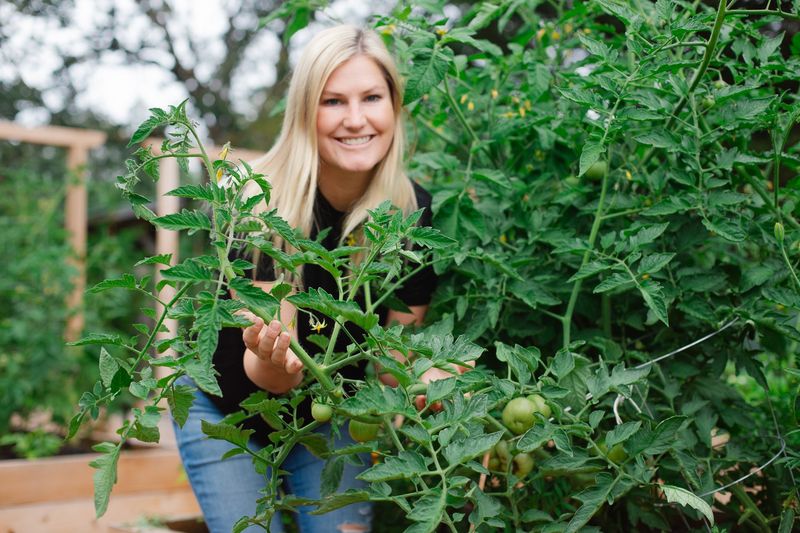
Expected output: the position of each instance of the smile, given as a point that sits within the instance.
(355, 141)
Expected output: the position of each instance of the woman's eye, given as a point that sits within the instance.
(373, 98)
(331, 101)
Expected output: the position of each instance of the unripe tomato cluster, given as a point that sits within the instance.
(519, 414)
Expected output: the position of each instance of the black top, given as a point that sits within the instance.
(228, 360)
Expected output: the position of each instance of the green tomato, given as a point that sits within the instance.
(362, 431)
(708, 102)
(518, 415)
(617, 454)
(572, 181)
(321, 412)
(523, 464)
(597, 170)
(502, 452)
(541, 405)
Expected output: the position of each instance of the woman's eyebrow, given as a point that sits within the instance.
(376, 88)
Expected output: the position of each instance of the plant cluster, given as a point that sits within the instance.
(613, 183)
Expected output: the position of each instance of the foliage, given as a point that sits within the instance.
(569, 278)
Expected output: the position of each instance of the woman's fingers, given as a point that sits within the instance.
(266, 342)
(251, 334)
(293, 363)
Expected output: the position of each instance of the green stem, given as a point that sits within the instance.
(566, 320)
(765, 12)
(791, 269)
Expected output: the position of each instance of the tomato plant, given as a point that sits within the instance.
(622, 312)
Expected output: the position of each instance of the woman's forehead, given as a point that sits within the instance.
(356, 75)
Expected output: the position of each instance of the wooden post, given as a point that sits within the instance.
(76, 223)
(166, 240)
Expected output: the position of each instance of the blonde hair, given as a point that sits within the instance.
(292, 165)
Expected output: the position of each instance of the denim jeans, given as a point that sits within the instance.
(228, 489)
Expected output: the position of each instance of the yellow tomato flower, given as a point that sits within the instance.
(441, 31)
(503, 239)
(522, 111)
(568, 27)
(540, 34)
(220, 173)
(317, 326)
(555, 35)
(628, 175)
(495, 94)
(464, 98)
(388, 29)
(225, 149)
(471, 106)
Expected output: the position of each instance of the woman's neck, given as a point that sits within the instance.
(342, 190)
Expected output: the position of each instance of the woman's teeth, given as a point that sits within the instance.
(356, 140)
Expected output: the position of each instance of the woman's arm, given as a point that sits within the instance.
(268, 361)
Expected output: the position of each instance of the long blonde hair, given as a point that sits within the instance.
(292, 165)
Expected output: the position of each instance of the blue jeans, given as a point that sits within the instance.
(228, 489)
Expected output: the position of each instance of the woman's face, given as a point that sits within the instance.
(355, 120)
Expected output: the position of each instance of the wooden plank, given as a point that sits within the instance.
(51, 135)
(68, 477)
(78, 514)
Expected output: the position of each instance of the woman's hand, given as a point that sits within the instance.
(268, 360)
(433, 374)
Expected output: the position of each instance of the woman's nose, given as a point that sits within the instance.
(355, 117)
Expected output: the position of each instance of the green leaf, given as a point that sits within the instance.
(590, 155)
(592, 500)
(195, 192)
(254, 297)
(432, 238)
(648, 234)
(652, 263)
(689, 499)
(563, 363)
(146, 128)
(621, 433)
(108, 367)
(523, 361)
(439, 389)
(463, 450)
(234, 435)
(336, 501)
(127, 281)
(161, 259)
(180, 399)
(331, 475)
(429, 67)
(654, 298)
(322, 301)
(98, 338)
(536, 436)
(428, 510)
(407, 465)
(726, 229)
(658, 139)
(590, 269)
(185, 220)
(203, 376)
(106, 475)
(612, 282)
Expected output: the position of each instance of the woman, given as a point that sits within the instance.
(339, 154)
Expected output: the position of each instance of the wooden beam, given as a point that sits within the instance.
(52, 135)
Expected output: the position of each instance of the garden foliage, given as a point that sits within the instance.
(612, 183)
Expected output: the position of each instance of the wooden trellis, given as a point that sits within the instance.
(78, 142)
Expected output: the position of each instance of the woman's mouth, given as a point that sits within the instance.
(355, 141)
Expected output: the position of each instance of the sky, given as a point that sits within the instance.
(121, 92)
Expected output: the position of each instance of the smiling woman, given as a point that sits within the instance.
(339, 154)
